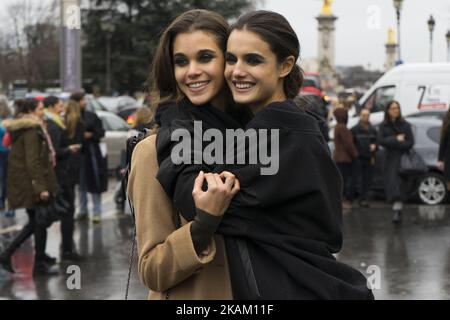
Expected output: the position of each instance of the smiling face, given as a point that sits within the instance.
(198, 65)
(252, 71)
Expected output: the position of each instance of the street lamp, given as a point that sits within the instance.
(398, 8)
(431, 24)
(447, 36)
(108, 28)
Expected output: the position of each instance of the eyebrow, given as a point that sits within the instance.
(248, 55)
(202, 51)
(255, 55)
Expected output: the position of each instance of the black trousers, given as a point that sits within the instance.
(40, 237)
(67, 220)
(362, 178)
(346, 170)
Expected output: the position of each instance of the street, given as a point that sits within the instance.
(413, 260)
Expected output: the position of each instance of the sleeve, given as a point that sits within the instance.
(389, 142)
(56, 136)
(203, 228)
(34, 165)
(98, 132)
(409, 138)
(166, 254)
(349, 145)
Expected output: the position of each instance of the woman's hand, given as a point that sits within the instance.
(440, 165)
(221, 190)
(401, 137)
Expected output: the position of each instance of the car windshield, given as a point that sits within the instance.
(112, 122)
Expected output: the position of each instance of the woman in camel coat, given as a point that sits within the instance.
(168, 263)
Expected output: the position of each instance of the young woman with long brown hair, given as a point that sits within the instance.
(179, 258)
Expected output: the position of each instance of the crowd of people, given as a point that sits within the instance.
(209, 231)
(48, 147)
(355, 155)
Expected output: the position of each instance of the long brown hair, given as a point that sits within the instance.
(162, 77)
(387, 117)
(72, 117)
(274, 29)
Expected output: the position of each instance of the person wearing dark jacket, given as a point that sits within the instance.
(365, 138)
(64, 152)
(94, 169)
(31, 180)
(344, 153)
(444, 149)
(285, 226)
(395, 135)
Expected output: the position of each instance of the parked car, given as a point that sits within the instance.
(429, 188)
(116, 135)
(116, 104)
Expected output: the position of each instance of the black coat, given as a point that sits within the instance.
(75, 159)
(444, 154)
(281, 231)
(95, 164)
(60, 143)
(394, 183)
(363, 137)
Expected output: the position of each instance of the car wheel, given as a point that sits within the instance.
(432, 189)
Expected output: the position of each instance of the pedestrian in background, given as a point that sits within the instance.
(395, 135)
(344, 153)
(365, 138)
(5, 113)
(64, 150)
(93, 166)
(31, 180)
(444, 149)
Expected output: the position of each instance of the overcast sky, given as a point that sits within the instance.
(360, 38)
(361, 28)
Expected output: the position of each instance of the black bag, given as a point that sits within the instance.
(50, 211)
(411, 163)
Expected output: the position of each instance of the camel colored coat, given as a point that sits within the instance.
(168, 263)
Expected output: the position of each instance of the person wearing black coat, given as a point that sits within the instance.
(395, 135)
(365, 139)
(64, 151)
(93, 169)
(281, 229)
(444, 149)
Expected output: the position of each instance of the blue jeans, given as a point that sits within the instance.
(83, 198)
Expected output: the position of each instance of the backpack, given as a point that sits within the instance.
(130, 145)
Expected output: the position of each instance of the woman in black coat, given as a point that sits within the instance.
(444, 149)
(282, 229)
(395, 135)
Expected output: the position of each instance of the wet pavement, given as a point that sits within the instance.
(407, 262)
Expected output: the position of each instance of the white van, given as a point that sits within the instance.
(417, 87)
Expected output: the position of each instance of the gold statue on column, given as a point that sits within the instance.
(391, 36)
(326, 9)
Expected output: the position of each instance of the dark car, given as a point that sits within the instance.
(431, 187)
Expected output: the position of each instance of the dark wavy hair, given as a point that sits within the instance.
(162, 76)
(274, 29)
(24, 106)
